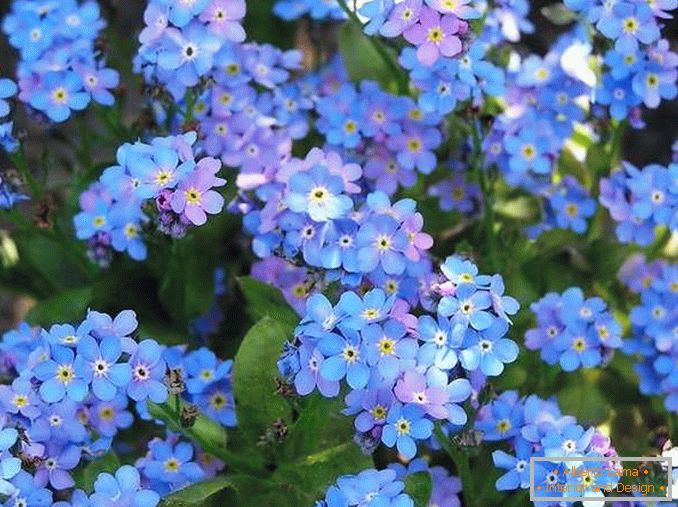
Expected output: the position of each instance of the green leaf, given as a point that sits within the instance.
(187, 288)
(264, 300)
(197, 494)
(558, 14)
(320, 426)
(88, 475)
(582, 396)
(68, 305)
(306, 479)
(204, 430)
(419, 486)
(361, 59)
(254, 378)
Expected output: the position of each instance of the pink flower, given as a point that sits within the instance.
(417, 241)
(194, 196)
(224, 18)
(434, 35)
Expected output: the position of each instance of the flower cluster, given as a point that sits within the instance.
(162, 178)
(404, 372)
(8, 89)
(567, 205)
(184, 42)
(639, 67)
(655, 324)
(574, 331)
(543, 97)
(376, 487)
(60, 71)
(639, 200)
(294, 9)
(311, 210)
(69, 398)
(534, 427)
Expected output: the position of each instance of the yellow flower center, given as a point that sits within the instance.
(350, 354)
(106, 414)
(370, 313)
(529, 151)
(99, 221)
(652, 80)
(172, 465)
(414, 145)
(503, 425)
(233, 69)
(378, 412)
(60, 95)
(65, 373)
(435, 35)
(630, 25)
(579, 345)
(318, 195)
(403, 426)
(20, 400)
(571, 210)
(193, 196)
(218, 401)
(131, 231)
(386, 346)
(350, 127)
(383, 243)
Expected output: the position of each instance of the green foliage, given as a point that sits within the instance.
(361, 58)
(198, 494)
(264, 300)
(86, 477)
(254, 378)
(68, 305)
(418, 486)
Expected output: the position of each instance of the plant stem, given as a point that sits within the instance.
(18, 158)
(461, 461)
(487, 189)
(400, 78)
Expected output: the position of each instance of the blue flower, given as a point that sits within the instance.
(171, 464)
(373, 307)
(27, 489)
(60, 377)
(518, 467)
(318, 193)
(389, 348)
(122, 489)
(97, 364)
(502, 419)
(58, 94)
(528, 150)
(9, 467)
(203, 368)
(148, 371)
(468, 306)
(488, 349)
(570, 441)
(380, 242)
(345, 357)
(8, 89)
(404, 425)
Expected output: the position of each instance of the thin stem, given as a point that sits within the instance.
(487, 189)
(19, 160)
(379, 48)
(461, 461)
